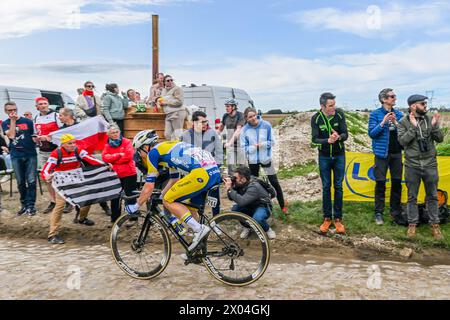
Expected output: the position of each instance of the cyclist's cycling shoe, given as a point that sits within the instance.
(198, 236)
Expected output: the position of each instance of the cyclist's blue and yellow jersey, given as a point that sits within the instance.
(178, 156)
(199, 166)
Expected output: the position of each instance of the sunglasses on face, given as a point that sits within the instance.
(169, 80)
(392, 96)
(423, 103)
(90, 86)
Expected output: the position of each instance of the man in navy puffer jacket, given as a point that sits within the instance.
(388, 153)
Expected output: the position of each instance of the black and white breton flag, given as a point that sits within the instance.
(85, 186)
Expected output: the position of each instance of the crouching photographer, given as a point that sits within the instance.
(252, 197)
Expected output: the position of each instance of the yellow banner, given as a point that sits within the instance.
(359, 181)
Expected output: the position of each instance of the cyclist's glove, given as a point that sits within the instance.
(132, 209)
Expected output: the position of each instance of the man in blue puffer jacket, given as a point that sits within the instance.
(388, 153)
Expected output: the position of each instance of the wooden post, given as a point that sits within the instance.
(155, 36)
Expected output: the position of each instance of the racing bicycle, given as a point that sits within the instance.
(142, 248)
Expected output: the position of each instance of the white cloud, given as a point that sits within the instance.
(21, 18)
(272, 81)
(375, 21)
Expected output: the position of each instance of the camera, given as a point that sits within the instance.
(423, 145)
(233, 179)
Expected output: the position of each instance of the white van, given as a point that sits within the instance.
(25, 99)
(211, 99)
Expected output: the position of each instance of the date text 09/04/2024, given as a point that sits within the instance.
(227, 309)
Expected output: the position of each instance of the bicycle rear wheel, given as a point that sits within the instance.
(230, 259)
(140, 248)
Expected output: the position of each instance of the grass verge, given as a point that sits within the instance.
(359, 221)
(299, 170)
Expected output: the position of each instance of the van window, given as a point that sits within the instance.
(54, 99)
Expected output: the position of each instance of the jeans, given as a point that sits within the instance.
(395, 166)
(337, 166)
(7, 159)
(430, 179)
(129, 185)
(260, 214)
(273, 179)
(25, 170)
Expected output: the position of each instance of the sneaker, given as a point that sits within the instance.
(411, 233)
(86, 222)
(198, 236)
(31, 211)
(379, 219)
(436, 230)
(339, 226)
(21, 211)
(50, 207)
(55, 240)
(325, 225)
(245, 232)
(285, 208)
(106, 209)
(68, 208)
(271, 234)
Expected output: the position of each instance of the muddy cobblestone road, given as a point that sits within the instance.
(31, 269)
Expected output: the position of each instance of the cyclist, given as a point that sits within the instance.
(201, 172)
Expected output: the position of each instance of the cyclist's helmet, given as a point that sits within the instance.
(145, 137)
(232, 102)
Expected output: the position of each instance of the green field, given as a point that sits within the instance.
(359, 220)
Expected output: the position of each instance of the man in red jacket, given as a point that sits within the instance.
(69, 161)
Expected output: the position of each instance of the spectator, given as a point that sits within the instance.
(5, 157)
(69, 161)
(114, 105)
(388, 153)
(251, 199)
(138, 97)
(20, 131)
(45, 122)
(256, 141)
(201, 135)
(132, 98)
(67, 117)
(88, 104)
(28, 115)
(329, 131)
(80, 91)
(156, 89)
(233, 121)
(417, 133)
(120, 153)
(172, 102)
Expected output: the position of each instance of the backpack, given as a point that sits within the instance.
(83, 163)
(442, 208)
(400, 217)
(268, 187)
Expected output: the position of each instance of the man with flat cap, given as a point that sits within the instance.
(417, 133)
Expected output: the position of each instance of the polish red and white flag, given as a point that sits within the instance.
(91, 134)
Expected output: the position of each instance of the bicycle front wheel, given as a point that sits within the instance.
(231, 259)
(141, 247)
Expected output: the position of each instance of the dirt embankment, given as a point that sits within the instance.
(294, 134)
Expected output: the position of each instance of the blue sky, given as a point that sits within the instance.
(284, 53)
